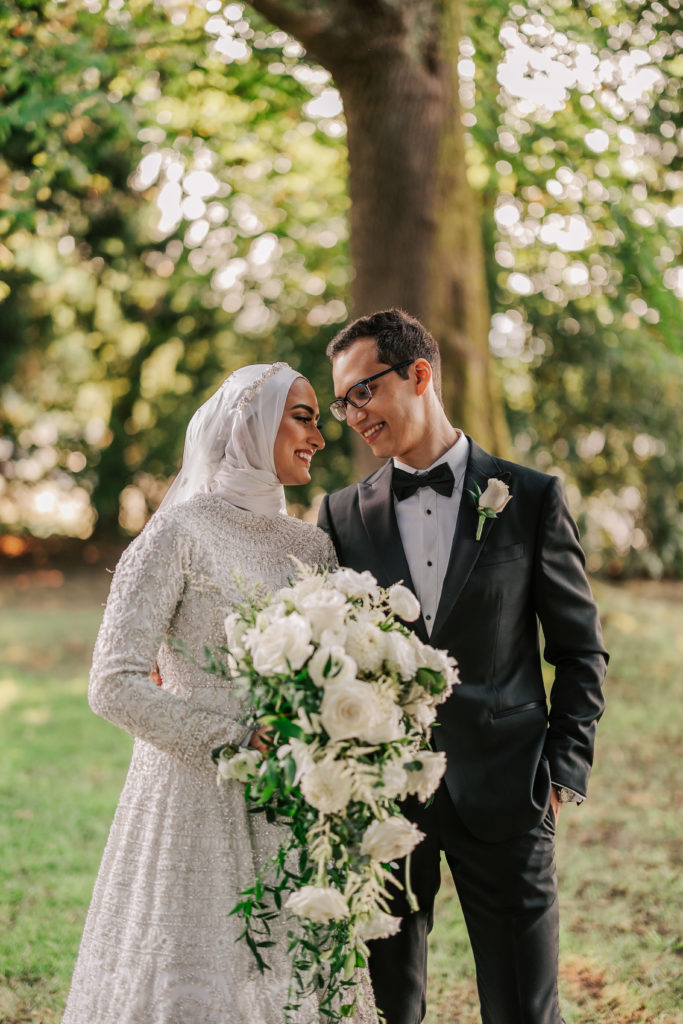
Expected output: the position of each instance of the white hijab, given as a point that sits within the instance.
(230, 439)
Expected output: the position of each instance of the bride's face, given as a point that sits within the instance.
(298, 437)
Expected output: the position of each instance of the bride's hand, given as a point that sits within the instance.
(260, 739)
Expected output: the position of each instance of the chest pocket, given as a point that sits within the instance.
(496, 556)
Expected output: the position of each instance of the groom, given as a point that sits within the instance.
(513, 756)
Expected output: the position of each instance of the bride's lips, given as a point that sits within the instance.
(305, 454)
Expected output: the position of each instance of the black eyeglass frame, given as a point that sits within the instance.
(338, 407)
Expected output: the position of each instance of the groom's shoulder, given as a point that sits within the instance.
(531, 480)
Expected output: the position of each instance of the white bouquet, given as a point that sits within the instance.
(348, 695)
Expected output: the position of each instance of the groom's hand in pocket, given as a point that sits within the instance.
(555, 802)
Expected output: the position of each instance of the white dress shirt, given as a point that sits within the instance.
(426, 523)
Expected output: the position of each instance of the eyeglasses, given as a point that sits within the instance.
(360, 394)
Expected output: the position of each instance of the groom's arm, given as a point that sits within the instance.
(573, 643)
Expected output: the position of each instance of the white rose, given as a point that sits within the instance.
(366, 644)
(346, 712)
(276, 610)
(241, 766)
(298, 590)
(319, 904)
(403, 603)
(390, 839)
(400, 655)
(380, 926)
(324, 609)
(388, 723)
(331, 665)
(424, 781)
(496, 495)
(281, 646)
(354, 584)
(327, 787)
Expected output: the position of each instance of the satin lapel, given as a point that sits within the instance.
(465, 549)
(379, 519)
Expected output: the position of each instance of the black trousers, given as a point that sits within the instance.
(508, 895)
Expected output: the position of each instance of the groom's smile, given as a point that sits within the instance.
(392, 420)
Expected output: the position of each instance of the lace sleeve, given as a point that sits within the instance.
(327, 558)
(145, 592)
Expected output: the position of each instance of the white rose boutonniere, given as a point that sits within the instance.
(490, 502)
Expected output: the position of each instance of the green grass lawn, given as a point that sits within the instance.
(62, 769)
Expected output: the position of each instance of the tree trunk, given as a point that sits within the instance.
(415, 231)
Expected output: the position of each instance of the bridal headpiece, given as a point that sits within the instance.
(230, 439)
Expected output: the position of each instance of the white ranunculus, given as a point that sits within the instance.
(388, 723)
(319, 904)
(390, 839)
(241, 766)
(324, 609)
(354, 584)
(366, 644)
(283, 645)
(496, 495)
(403, 603)
(380, 926)
(327, 787)
(331, 665)
(400, 654)
(347, 711)
(424, 781)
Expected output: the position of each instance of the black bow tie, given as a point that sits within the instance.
(440, 479)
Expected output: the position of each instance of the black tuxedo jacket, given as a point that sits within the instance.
(503, 744)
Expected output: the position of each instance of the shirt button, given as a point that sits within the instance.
(428, 618)
(428, 511)
(430, 564)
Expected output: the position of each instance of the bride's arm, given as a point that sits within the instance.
(145, 592)
(327, 557)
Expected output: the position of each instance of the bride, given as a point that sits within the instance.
(159, 945)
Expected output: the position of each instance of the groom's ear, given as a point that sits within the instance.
(423, 372)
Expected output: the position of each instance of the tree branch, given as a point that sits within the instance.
(336, 31)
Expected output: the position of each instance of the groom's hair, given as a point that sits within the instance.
(398, 337)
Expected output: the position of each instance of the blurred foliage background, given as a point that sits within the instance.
(174, 203)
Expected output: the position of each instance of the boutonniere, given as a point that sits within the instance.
(489, 502)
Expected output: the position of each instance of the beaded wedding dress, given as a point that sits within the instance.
(159, 945)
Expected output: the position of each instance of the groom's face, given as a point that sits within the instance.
(392, 421)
